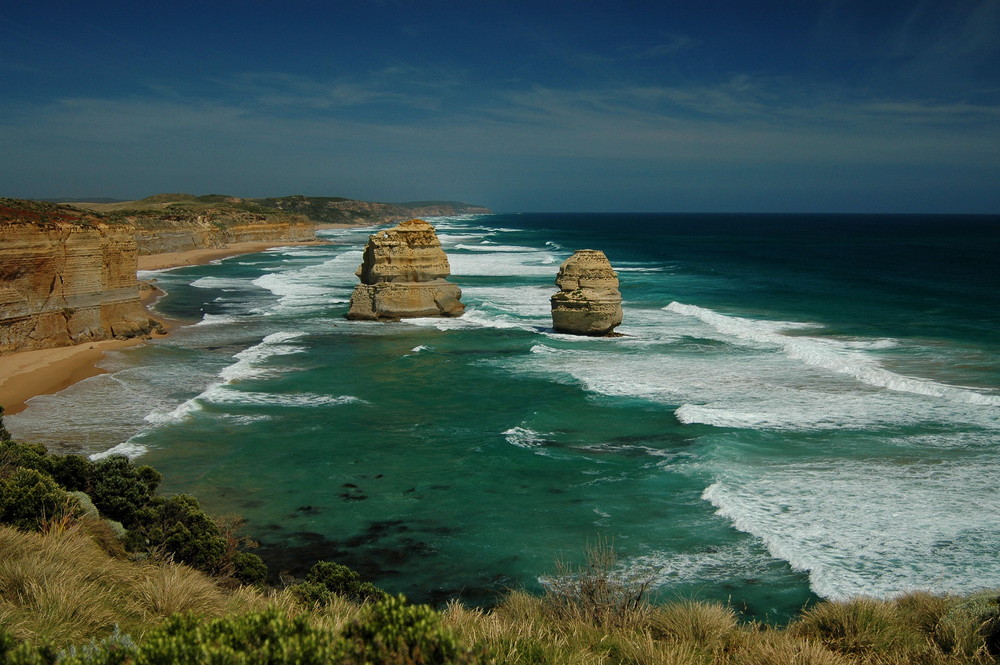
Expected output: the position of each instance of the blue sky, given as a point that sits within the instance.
(715, 105)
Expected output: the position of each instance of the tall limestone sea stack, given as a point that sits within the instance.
(589, 302)
(402, 276)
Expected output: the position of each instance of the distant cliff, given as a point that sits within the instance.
(180, 228)
(335, 210)
(66, 276)
(178, 222)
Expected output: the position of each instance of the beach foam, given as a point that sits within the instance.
(829, 354)
(872, 527)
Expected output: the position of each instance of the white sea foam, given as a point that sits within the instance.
(523, 437)
(224, 283)
(500, 264)
(870, 527)
(669, 569)
(487, 246)
(249, 361)
(217, 319)
(521, 301)
(130, 449)
(247, 365)
(175, 415)
(315, 286)
(828, 354)
(735, 386)
(472, 318)
(223, 394)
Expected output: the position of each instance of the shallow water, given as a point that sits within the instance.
(801, 406)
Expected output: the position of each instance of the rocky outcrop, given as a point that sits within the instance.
(403, 276)
(589, 302)
(66, 276)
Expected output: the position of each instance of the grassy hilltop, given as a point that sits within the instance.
(318, 209)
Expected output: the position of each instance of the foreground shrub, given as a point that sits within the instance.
(972, 625)
(391, 632)
(394, 631)
(327, 578)
(119, 489)
(861, 627)
(599, 591)
(33, 496)
(705, 625)
(28, 499)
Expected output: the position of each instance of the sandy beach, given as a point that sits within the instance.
(196, 257)
(26, 374)
(44, 371)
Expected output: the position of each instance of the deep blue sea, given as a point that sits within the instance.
(801, 406)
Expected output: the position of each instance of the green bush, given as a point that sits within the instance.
(249, 568)
(177, 525)
(327, 578)
(13, 652)
(268, 637)
(972, 624)
(74, 472)
(120, 489)
(28, 498)
(4, 434)
(394, 631)
(15, 455)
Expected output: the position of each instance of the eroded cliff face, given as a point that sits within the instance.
(588, 302)
(403, 276)
(181, 231)
(66, 277)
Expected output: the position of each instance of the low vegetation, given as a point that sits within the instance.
(96, 568)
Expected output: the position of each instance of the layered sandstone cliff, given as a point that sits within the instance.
(180, 230)
(66, 276)
(588, 302)
(403, 276)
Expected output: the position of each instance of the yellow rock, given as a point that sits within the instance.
(403, 276)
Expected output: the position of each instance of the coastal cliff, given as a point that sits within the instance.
(181, 230)
(403, 276)
(67, 276)
(318, 210)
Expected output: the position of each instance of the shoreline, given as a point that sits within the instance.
(197, 257)
(27, 374)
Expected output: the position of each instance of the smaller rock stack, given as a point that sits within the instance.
(589, 302)
(402, 276)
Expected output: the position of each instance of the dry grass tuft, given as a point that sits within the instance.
(709, 626)
(600, 591)
(780, 648)
(63, 588)
(160, 591)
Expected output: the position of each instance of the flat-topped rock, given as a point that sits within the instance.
(588, 302)
(403, 276)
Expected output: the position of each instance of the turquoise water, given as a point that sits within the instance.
(801, 407)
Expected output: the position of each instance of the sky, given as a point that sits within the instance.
(624, 106)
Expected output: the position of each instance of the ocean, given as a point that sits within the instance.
(800, 407)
